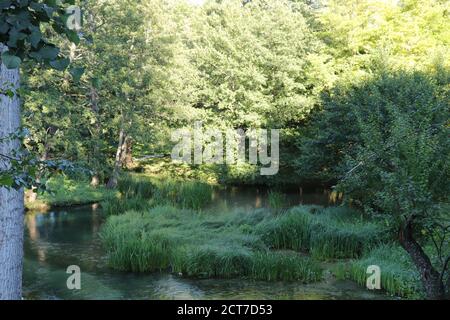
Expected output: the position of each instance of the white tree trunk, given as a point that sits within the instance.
(11, 201)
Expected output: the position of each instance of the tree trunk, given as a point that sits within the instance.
(112, 183)
(432, 283)
(127, 156)
(11, 200)
(95, 181)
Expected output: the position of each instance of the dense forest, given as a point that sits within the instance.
(358, 89)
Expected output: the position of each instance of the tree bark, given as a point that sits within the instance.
(94, 97)
(11, 200)
(127, 156)
(112, 183)
(431, 280)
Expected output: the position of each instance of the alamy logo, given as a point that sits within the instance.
(199, 146)
(74, 281)
(374, 280)
(74, 18)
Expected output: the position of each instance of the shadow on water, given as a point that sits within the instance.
(56, 240)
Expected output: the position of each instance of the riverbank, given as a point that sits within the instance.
(65, 192)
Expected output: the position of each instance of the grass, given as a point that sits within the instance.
(184, 194)
(136, 186)
(330, 233)
(166, 238)
(139, 192)
(277, 201)
(399, 277)
(120, 204)
(270, 266)
(63, 192)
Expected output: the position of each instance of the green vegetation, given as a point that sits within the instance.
(331, 233)
(360, 91)
(63, 191)
(139, 192)
(399, 276)
(198, 245)
(276, 201)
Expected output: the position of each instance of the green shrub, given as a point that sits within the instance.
(63, 191)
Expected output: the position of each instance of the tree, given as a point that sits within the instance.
(21, 39)
(398, 168)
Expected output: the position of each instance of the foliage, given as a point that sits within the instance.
(62, 191)
(21, 32)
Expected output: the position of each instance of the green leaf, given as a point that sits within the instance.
(49, 53)
(6, 181)
(60, 64)
(72, 36)
(35, 38)
(10, 61)
(76, 73)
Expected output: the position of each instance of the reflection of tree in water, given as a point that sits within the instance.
(33, 232)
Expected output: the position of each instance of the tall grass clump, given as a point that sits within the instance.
(399, 276)
(288, 231)
(276, 200)
(345, 240)
(185, 194)
(331, 233)
(132, 247)
(284, 266)
(212, 261)
(166, 238)
(119, 205)
(135, 186)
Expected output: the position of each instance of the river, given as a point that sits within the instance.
(57, 239)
